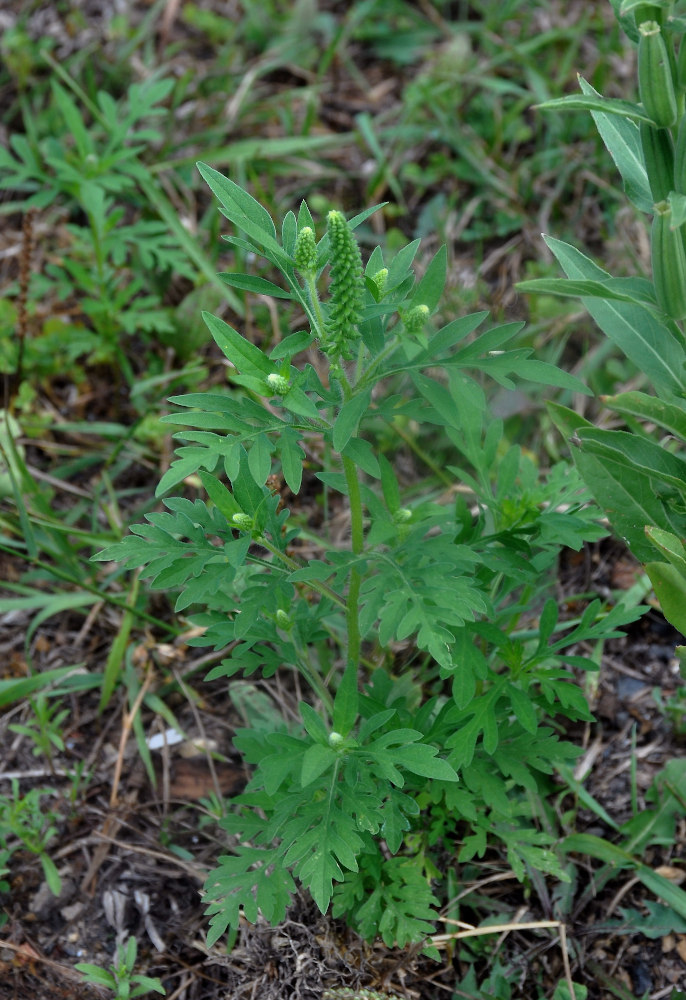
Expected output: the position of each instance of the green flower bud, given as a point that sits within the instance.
(415, 319)
(335, 739)
(380, 279)
(402, 515)
(278, 384)
(668, 258)
(243, 521)
(305, 253)
(346, 288)
(655, 82)
(283, 620)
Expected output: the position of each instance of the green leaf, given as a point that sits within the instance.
(296, 401)
(670, 546)
(430, 289)
(576, 289)
(253, 881)
(636, 454)
(291, 455)
(94, 974)
(623, 143)
(669, 584)
(449, 335)
(260, 459)
(348, 419)
(220, 496)
(51, 874)
(644, 339)
(671, 416)
(242, 209)
(567, 421)
(246, 357)
(596, 847)
(15, 690)
(595, 103)
(253, 283)
(291, 345)
(420, 758)
(315, 726)
(523, 708)
(316, 760)
(73, 118)
(363, 455)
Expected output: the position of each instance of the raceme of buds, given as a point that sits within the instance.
(655, 82)
(305, 253)
(668, 258)
(345, 289)
(278, 384)
(658, 156)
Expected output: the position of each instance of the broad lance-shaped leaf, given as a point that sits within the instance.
(629, 500)
(648, 342)
(669, 584)
(671, 416)
(622, 141)
(636, 290)
(637, 455)
(588, 102)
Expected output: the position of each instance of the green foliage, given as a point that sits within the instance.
(120, 978)
(638, 475)
(83, 160)
(46, 729)
(355, 801)
(25, 822)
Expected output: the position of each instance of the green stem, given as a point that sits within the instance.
(311, 284)
(357, 530)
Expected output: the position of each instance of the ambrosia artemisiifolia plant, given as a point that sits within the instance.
(430, 652)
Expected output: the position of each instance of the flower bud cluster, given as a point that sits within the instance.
(279, 384)
(305, 253)
(346, 288)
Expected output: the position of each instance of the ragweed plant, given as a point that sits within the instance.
(426, 636)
